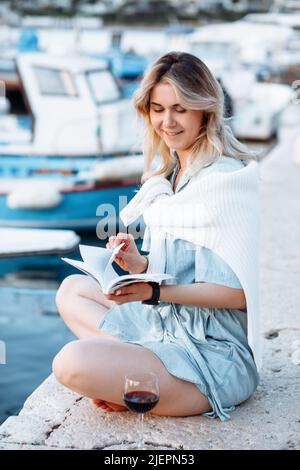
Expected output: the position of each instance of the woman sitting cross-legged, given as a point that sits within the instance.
(199, 332)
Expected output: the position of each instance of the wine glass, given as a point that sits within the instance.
(141, 394)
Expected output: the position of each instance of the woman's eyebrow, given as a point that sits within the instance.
(173, 105)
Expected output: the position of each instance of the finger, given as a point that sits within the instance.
(119, 295)
(131, 289)
(119, 241)
(125, 290)
(126, 245)
(113, 296)
(125, 236)
(126, 239)
(116, 241)
(123, 299)
(110, 242)
(122, 235)
(108, 296)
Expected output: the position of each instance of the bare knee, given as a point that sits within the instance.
(79, 286)
(70, 286)
(66, 365)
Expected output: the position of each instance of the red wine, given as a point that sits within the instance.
(140, 401)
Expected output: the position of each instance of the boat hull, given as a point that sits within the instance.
(80, 209)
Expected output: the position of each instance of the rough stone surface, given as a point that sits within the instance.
(56, 418)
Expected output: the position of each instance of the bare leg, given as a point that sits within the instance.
(96, 369)
(81, 305)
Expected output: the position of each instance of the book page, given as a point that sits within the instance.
(110, 274)
(100, 260)
(84, 268)
(97, 262)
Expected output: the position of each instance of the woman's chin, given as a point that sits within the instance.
(175, 146)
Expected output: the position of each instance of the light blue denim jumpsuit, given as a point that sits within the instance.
(205, 346)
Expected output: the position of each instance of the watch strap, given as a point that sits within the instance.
(155, 294)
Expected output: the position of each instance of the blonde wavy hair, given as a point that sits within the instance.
(197, 89)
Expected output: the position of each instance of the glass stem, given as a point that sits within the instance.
(141, 431)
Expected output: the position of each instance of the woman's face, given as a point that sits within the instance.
(177, 126)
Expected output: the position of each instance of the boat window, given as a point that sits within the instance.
(55, 82)
(103, 86)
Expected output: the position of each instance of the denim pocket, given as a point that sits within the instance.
(220, 347)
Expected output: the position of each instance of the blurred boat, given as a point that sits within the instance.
(254, 43)
(127, 64)
(283, 61)
(256, 105)
(60, 192)
(128, 67)
(292, 20)
(29, 242)
(76, 108)
(77, 147)
(12, 43)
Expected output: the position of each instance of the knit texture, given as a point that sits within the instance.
(219, 209)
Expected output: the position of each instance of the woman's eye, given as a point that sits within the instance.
(180, 110)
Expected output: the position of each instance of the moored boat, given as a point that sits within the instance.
(76, 148)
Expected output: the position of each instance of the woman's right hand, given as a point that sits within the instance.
(129, 257)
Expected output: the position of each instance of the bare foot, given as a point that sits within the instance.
(108, 406)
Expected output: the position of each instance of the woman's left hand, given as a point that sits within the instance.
(138, 291)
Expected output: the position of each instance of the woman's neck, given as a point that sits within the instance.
(183, 160)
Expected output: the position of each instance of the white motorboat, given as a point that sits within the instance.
(76, 148)
(256, 105)
(76, 109)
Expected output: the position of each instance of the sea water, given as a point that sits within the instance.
(30, 327)
(32, 333)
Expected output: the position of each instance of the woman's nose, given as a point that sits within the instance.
(168, 120)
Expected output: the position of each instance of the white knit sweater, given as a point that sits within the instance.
(217, 209)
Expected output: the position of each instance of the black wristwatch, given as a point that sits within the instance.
(155, 294)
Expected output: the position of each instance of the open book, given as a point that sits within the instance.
(98, 263)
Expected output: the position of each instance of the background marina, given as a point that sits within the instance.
(29, 323)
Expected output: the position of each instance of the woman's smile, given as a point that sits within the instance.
(172, 134)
